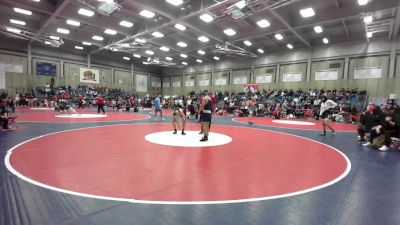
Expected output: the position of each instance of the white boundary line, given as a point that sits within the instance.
(292, 128)
(21, 176)
(66, 122)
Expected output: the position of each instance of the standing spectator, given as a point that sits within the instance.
(100, 104)
(157, 108)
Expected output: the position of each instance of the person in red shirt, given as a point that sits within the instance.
(100, 104)
(80, 102)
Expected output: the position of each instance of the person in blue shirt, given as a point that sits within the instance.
(157, 107)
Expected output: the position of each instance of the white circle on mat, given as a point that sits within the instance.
(293, 122)
(191, 139)
(81, 116)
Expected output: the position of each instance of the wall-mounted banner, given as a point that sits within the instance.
(291, 77)
(176, 84)
(156, 84)
(189, 83)
(220, 81)
(204, 82)
(240, 80)
(264, 79)
(327, 74)
(89, 76)
(368, 73)
(12, 68)
(166, 84)
(141, 83)
(2, 79)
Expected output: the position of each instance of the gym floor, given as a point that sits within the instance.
(128, 168)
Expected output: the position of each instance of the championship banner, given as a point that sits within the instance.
(251, 87)
(89, 76)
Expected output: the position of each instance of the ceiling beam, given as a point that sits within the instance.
(338, 5)
(49, 19)
(346, 29)
(288, 26)
(396, 25)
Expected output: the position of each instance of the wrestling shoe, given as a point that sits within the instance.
(204, 139)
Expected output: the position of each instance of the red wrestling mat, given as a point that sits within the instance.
(117, 163)
(296, 124)
(40, 109)
(50, 117)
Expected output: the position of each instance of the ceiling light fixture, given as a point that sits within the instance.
(362, 2)
(147, 13)
(110, 32)
(278, 37)
(369, 34)
(203, 39)
(308, 12)
(125, 23)
(183, 56)
(206, 17)
(140, 40)
(23, 11)
(62, 31)
(181, 44)
(240, 4)
(201, 52)
(199, 60)
(185, 63)
(97, 38)
(126, 58)
(260, 50)
(54, 38)
(18, 22)
(175, 2)
(79, 47)
(85, 12)
(47, 42)
(87, 43)
(137, 56)
(368, 19)
(149, 52)
(318, 29)
(157, 34)
(13, 30)
(248, 43)
(216, 58)
(180, 27)
(229, 32)
(325, 40)
(73, 23)
(165, 49)
(263, 23)
(290, 46)
(168, 58)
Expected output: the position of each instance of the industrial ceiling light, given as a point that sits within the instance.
(140, 40)
(240, 4)
(79, 47)
(73, 23)
(181, 44)
(203, 39)
(229, 32)
(13, 30)
(307, 12)
(147, 13)
(54, 38)
(157, 34)
(126, 58)
(137, 56)
(85, 12)
(62, 31)
(199, 60)
(163, 48)
(97, 38)
(260, 50)
(206, 17)
(369, 34)
(325, 40)
(184, 63)
(149, 52)
(368, 19)
(278, 37)
(248, 43)
(87, 43)
(216, 58)
(175, 2)
(290, 46)
(18, 22)
(23, 11)
(180, 27)
(110, 32)
(168, 58)
(318, 29)
(263, 23)
(183, 56)
(125, 23)
(362, 2)
(201, 52)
